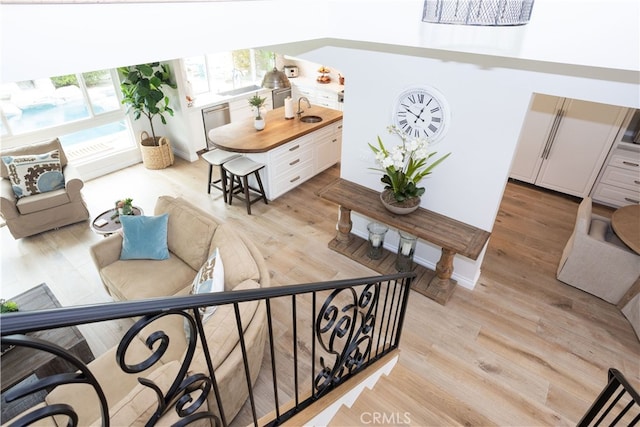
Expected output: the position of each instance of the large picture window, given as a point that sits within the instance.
(224, 71)
(83, 110)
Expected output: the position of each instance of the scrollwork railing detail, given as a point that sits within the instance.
(345, 333)
(179, 393)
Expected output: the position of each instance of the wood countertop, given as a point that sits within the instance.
(242, 136)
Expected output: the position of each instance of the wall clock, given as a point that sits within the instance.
(421, 111)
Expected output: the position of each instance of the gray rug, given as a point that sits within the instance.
(10, 410)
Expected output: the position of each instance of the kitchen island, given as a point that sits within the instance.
(292, 151)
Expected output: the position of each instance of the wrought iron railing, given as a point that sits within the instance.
(317, 336)
(617, 404)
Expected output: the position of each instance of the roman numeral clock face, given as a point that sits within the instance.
(421, 112)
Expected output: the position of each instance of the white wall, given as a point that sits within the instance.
(488, 105)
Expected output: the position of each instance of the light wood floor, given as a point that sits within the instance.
(520, 349)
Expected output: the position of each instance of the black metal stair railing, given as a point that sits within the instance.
(318, 335)
(617, 404)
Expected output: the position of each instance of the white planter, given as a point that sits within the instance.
(259, 124)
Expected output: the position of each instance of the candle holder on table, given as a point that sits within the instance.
(376, 239)
(406, 248)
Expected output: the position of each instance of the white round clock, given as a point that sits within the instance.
(421, 111)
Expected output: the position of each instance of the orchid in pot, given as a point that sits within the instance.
(403, 167)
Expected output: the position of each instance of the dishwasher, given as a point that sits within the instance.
(214, 117)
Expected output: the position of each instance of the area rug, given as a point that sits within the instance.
(11, 410)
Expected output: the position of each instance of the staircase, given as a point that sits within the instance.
(397, 399)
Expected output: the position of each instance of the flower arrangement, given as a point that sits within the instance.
(124, 206)
(257, 102)
(405, 165)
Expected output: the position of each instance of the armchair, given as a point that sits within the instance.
(34, 214)
(595, 260)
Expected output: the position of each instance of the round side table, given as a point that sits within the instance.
(108, 222)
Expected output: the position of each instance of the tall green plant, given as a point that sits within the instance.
(142, 87)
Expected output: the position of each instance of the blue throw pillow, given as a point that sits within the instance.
(144, 237)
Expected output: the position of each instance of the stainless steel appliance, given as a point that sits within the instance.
(213, 117)
(291, 71)
(279, 95)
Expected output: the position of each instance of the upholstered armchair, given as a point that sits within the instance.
(33, 214)
(595, 260)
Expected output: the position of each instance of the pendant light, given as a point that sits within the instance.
(275, 79)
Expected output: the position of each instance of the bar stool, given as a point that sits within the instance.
(218, 157)
(242, 167)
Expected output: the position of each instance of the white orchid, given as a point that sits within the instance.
(405, 165)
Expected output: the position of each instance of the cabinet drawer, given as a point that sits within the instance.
(625, 178)
(292, 160)
(630, 161)
(290, 149)
(292, 178)
(616, 196)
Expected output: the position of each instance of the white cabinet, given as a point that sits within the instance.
(328, 146)
(293, 163)
(317, 95)
(564, 142)
(619, 182)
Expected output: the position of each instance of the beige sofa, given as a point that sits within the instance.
(42, 212)
(192, 236)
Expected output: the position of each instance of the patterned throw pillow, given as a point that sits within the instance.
(34, 174)
(209, 279)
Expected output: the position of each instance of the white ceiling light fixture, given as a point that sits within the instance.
(478, 12)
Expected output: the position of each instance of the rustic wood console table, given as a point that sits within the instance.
(454, 237)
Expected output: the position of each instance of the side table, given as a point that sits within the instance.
(111, 221)
(20, 362)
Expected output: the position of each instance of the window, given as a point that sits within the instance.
(83, 110)
(220, 72)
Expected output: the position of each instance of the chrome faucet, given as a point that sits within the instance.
(300, 110)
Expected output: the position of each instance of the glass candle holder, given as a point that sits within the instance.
(376, 239)
(406, 248)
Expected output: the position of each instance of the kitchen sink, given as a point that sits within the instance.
(240, 90)
(310, 119)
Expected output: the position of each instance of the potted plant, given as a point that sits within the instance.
(403, 167)
(258, 102)
(142, 91)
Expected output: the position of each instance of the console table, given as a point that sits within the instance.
(454, 237)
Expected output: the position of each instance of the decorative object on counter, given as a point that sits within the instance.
(288, 108)
(188, 90)
(142, 90)
(473, 12)
(258, 103)
(323, 78)
(377, 232)
(341, 79)
(406, 248)
(124, 207)
(403, 167)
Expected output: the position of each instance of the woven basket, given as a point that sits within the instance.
(155, 156)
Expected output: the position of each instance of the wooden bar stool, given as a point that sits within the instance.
(217, 157)
(242, 167)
